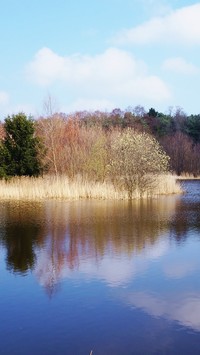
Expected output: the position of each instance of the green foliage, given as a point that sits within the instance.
(19, 151)
(152, 112)
(192, 127)
(159, 124)
(136, 158)
(165, 125)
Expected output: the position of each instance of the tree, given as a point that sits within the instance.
(95, 167)
(152, 112)
(136, 160)
(192, 127)
(183, 153)
(19, 150)
(51, 131)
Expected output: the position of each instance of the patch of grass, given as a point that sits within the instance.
(52, 187)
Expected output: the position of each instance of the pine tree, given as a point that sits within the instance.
(19, 151)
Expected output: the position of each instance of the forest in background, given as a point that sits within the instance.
(177, 133)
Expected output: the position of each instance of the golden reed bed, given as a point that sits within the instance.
(51, 187)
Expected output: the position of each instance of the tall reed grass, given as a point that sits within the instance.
(188, 176)
(52, 187)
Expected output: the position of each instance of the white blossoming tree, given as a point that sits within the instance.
(136, 159)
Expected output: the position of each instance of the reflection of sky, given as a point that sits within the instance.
(162, 280)
(181, 307)
(175, 294)
(122, 270)
(114, 270)
(174, 262)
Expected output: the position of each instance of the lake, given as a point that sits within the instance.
(100, 276)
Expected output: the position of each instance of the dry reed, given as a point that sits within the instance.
(51, 187)
(188, 176)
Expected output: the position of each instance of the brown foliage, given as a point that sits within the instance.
(73, 148)
(2, 132)
(183, 153)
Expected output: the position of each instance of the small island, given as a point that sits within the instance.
(97, 155)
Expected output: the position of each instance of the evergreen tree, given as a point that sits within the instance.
(19, 151)
(192, 127)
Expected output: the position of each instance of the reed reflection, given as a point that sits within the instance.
(186, 219)
(57, 238)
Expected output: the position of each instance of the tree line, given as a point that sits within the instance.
(177, 133)
(99, 145)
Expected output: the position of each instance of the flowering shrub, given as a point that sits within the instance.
(135, 161)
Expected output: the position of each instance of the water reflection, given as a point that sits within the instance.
(183, 308)
(187, 217)
(57, 238)
(20, 234)
(121, 278)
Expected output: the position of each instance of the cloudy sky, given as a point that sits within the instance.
(99, 54)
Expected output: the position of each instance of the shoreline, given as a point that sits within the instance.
(60, 187)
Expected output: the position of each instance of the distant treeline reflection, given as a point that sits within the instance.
(54, 238)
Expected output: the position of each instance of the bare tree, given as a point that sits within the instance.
(184, 154)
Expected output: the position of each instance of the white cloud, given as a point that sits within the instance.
(112, 76)
(180, 26)
(180, 65)
(113, 64)
(46, 67)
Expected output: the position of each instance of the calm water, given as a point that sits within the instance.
(115, 278)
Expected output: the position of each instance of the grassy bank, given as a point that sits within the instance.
(51, 187)
(188, 177)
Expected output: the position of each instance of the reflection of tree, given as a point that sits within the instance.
(80, 231)
(19, 235)
(20, 252)
(122, 227)
(186, 217)
(56, 238)
(52, 250)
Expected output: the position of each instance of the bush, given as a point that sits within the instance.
(136, 159)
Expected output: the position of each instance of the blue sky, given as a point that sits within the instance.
(99, 54)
